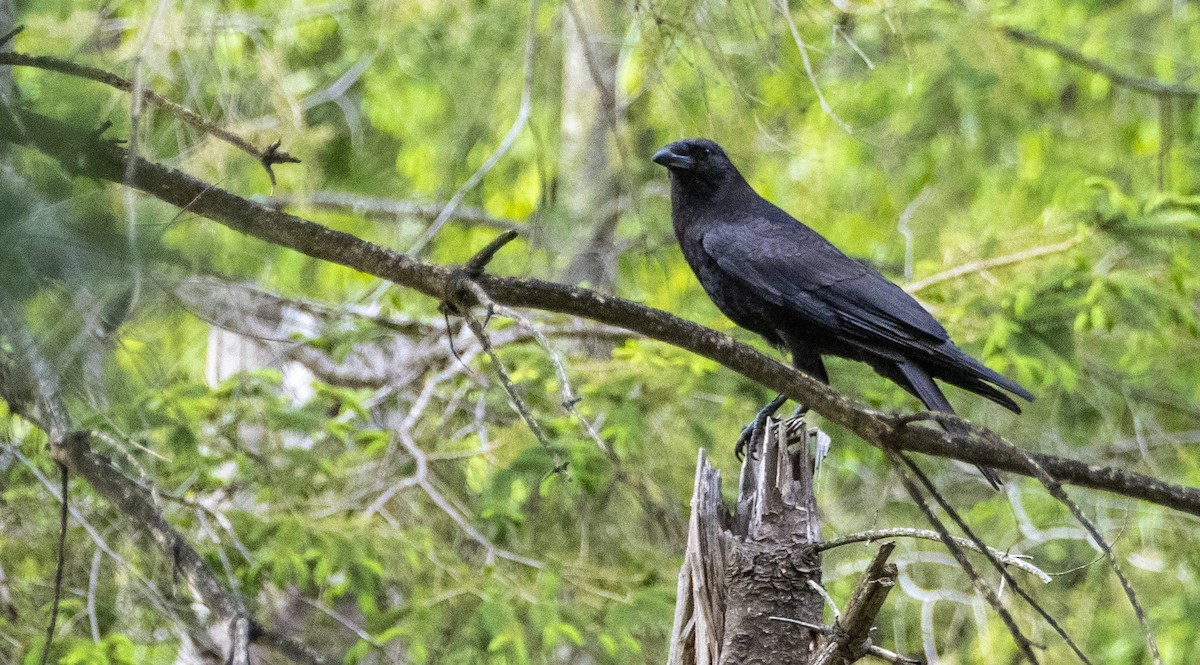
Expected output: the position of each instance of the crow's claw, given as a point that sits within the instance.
(753, 432)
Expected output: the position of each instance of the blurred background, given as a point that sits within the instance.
(311, 433)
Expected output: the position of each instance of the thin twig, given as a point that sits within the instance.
(1022, 642)
(1139, 83)
(1008, 578)
(518, 402)
(10, 34)
(1056, 490)
(837, 614)
(93, 582)
(569, 400)
(906, 217)
(421, 478)
(989, 264)
(842, 33)
(389, 208)
(483, 257)
(925, 534)
(342, 619)
(873, 650)
(523, 113)
(808, 68)
(266, 156)
(58, 568)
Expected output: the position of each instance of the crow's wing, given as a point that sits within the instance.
(793, 267)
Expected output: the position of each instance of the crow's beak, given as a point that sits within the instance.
(673, 160)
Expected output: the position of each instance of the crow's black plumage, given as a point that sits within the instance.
(775, 276)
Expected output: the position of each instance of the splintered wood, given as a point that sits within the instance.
(744, 591)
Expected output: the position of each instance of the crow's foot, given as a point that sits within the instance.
(752, 433)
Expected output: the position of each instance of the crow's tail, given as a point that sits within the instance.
(968, 373)
(933, 399)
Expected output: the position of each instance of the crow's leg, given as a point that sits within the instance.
(805, 359)
(808, 361)
(753, 432)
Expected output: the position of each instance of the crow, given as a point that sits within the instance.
(776, 277)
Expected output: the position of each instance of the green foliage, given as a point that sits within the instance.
(416, 518)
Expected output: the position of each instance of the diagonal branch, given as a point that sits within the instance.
(1023, 643)
(1123, 79)
(85, 154)
(72, 449)
(851, 634)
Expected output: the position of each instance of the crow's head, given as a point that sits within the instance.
(698, 161)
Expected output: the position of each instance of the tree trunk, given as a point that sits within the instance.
(587, 185)
(745, 579)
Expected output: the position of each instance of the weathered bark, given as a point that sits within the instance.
(746, 576)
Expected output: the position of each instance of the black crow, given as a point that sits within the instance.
(773, 275)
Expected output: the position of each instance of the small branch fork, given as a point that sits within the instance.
(849, 638)
(461, 292)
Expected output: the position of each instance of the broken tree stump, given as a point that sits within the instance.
(750, 585)
(746, 576)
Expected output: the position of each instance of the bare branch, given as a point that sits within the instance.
(1056, 490)
(518, 402)
(72, 449)
(58, 567)
(872, 650)
(989, 264)
(837, 613)
(421, 479)
(925, 534)
(569, 400)
(1008, 578)
(87, 155)
(1022, 642)
(808, 68)
(850, 638)
(342, 619)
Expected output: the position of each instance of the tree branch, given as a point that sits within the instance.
(925, 534)
(989, 264)
(83, 153)
(851, 633)
(268, 156)
(1118, 77)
